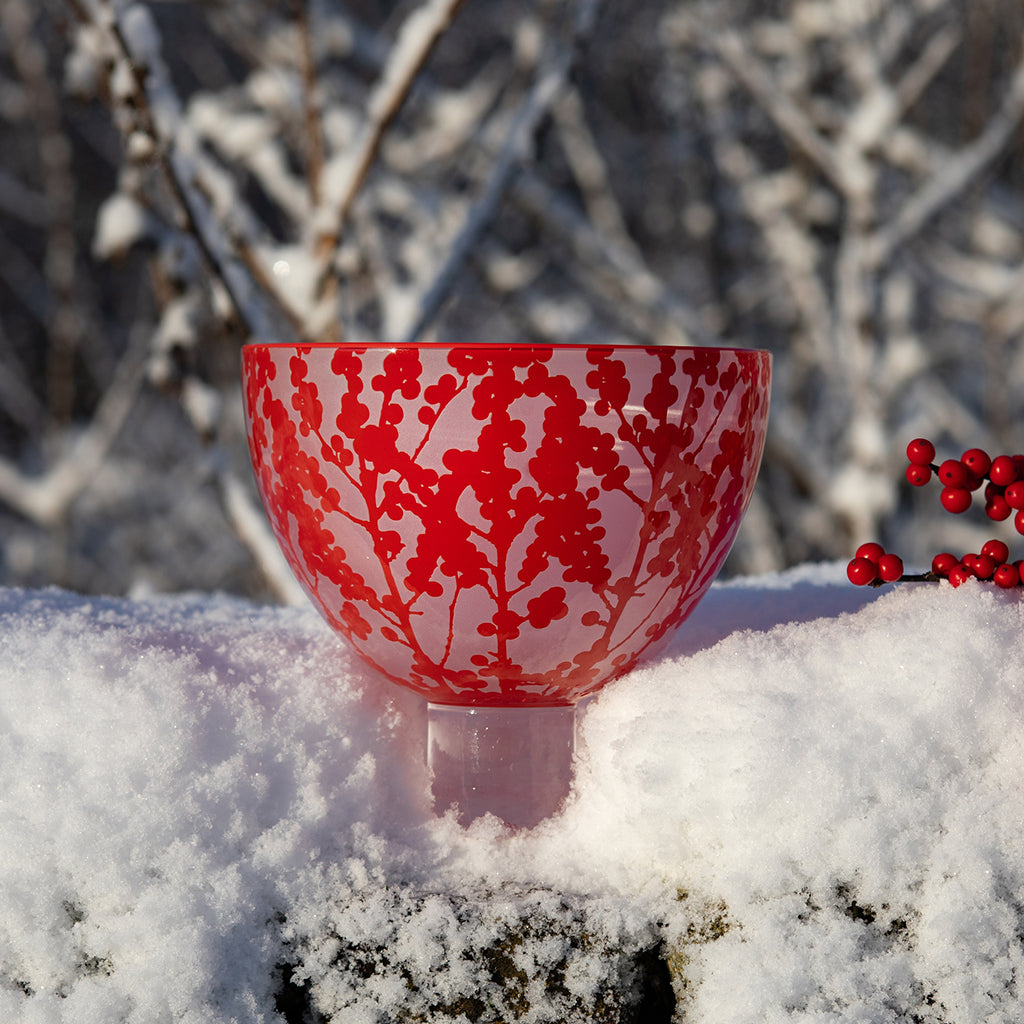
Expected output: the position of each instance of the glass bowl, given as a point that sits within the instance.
(504, 528)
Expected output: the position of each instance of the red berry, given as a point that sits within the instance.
(973, 481)
(953, 473)
(890, 568)
(984, 566)
(1006, 576)
(1003, 470)
(861, 571)
(960, 574)
(920, 452)
(943, 563)
(955, 499)
(998, 508)
(918, 475)
(996, 549)
(977, 461)
(1014, 495)
(872, 551)
(1018, 461)
(1018, 522)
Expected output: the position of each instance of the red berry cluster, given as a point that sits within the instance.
(873, 565)
(1003, 478)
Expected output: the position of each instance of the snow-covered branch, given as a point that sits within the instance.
(346, 172)
(956, 173)
(46, 498)
(549, 83)
(141, 81)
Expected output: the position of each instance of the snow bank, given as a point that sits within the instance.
(810, 809)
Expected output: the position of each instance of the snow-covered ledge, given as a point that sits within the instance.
(811, 809)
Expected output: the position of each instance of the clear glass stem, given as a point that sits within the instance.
(515, 763)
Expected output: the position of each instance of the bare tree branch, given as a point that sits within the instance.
(345, 174)
(616, 269)
(58, 186)
(254, 532)
(955, 175)
(590, 170)
(788, 117)
(45, 499)
(316, 148)
(549, 83)
(934, 55)
(157, 104)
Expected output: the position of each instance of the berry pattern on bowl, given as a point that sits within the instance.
(508, 525)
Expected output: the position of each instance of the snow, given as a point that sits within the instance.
(121, 223)
(415, 38)
(812, 802)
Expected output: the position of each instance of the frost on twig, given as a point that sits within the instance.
(346, 173)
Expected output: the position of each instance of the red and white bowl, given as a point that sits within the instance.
(505, 526)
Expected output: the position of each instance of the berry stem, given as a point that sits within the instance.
(910, 577)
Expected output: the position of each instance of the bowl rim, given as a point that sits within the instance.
(416, 346)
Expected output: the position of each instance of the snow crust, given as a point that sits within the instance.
(814, 799)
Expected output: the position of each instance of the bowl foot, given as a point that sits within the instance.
(514, 763)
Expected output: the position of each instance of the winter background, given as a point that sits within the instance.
(808, 809)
